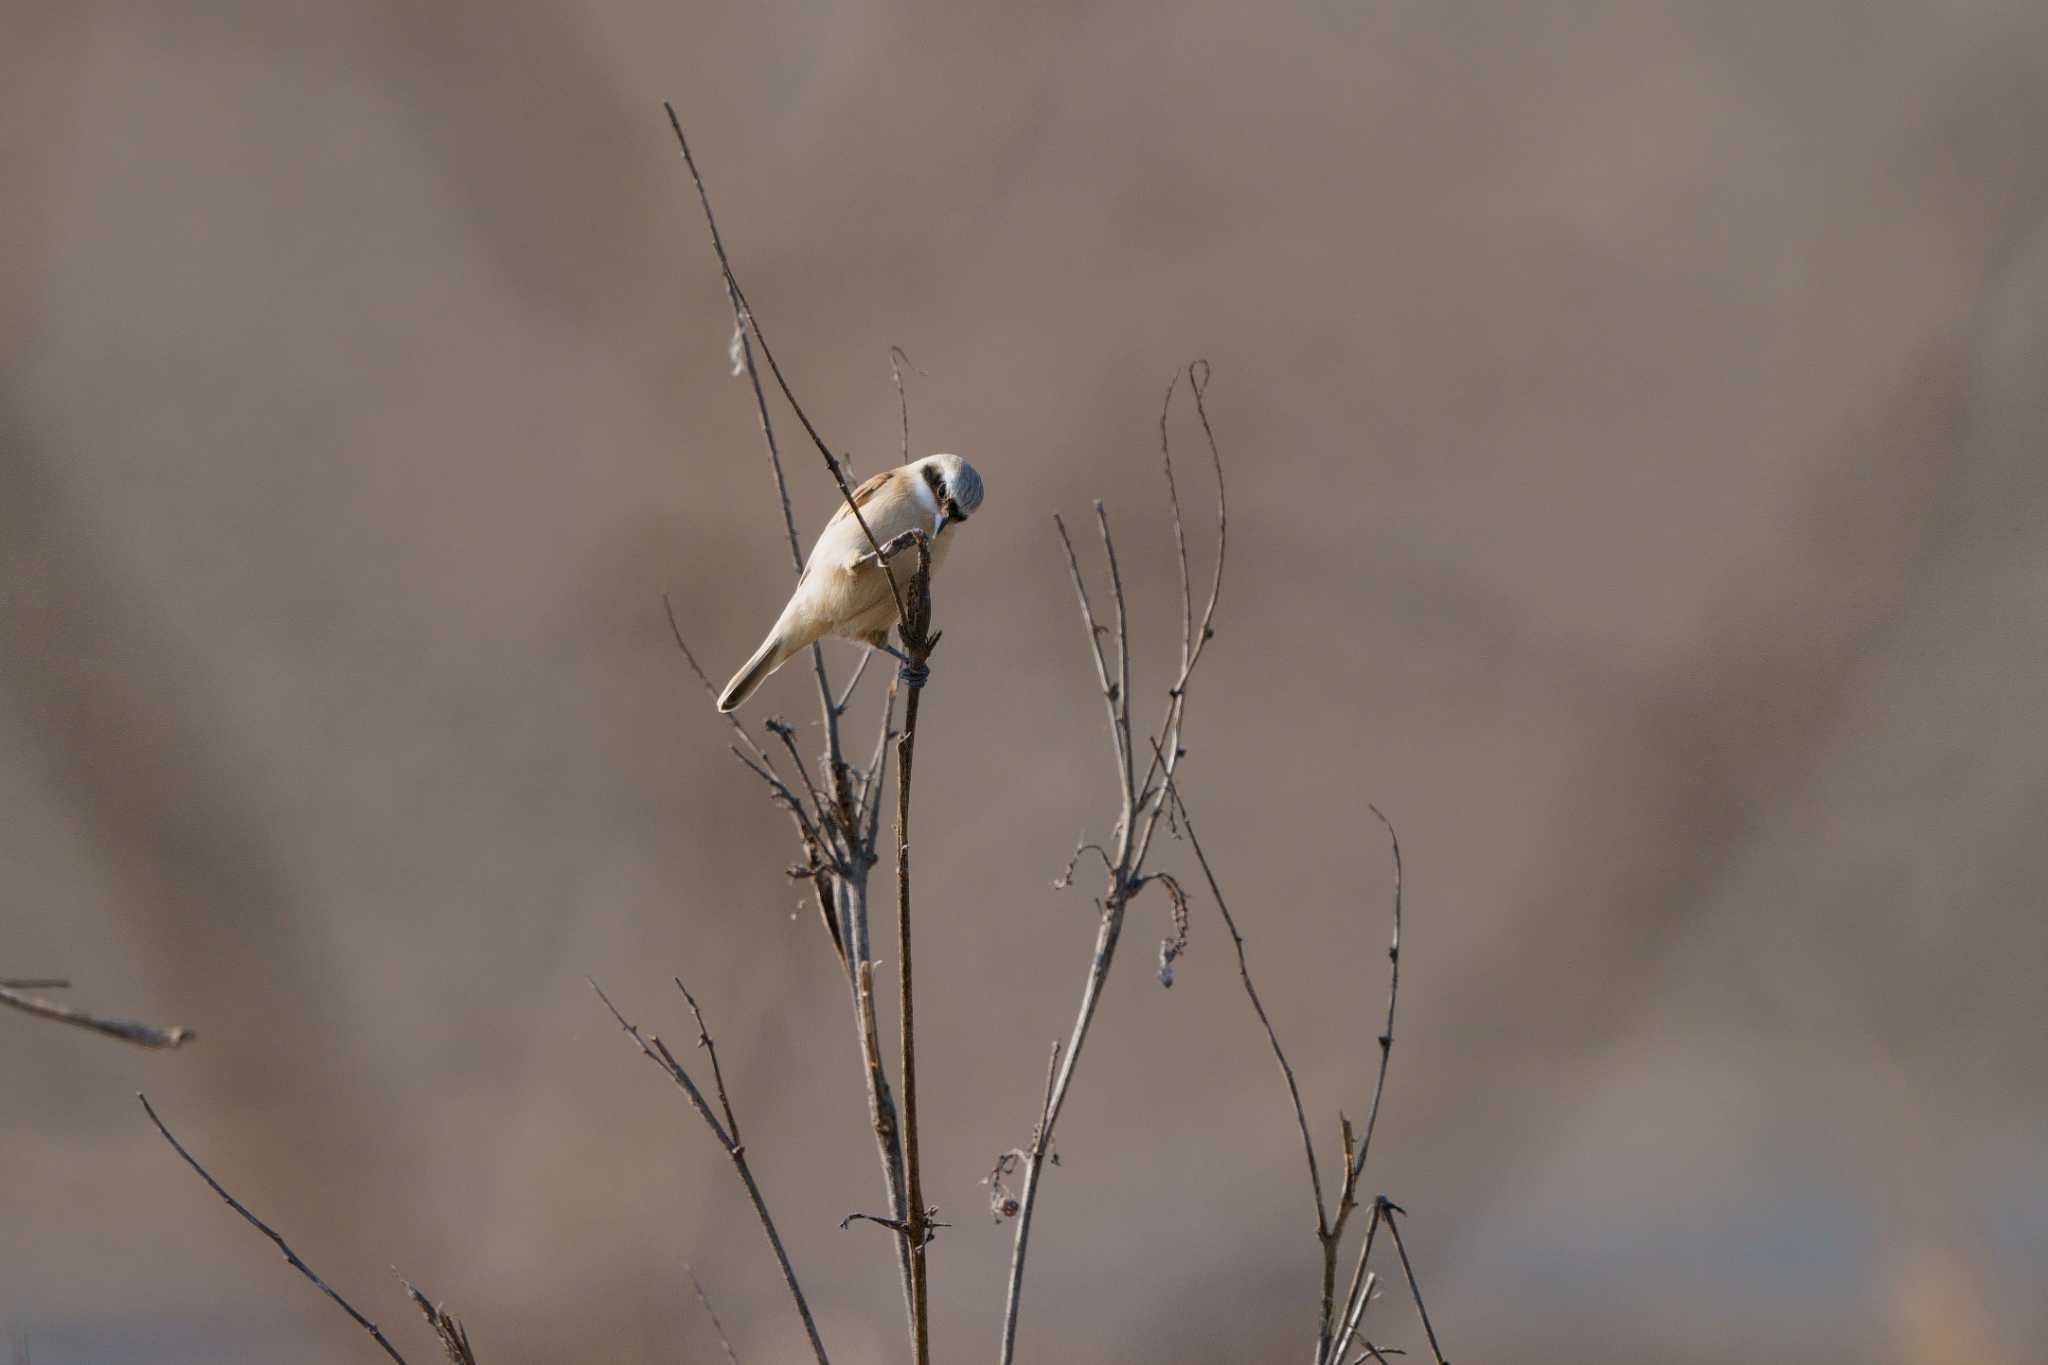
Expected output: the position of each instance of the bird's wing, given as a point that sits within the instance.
(841, 521)
(861, 496)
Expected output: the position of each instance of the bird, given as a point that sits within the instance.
(844, 589)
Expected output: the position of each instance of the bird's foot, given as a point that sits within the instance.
(891, 548)
(885, 647)
(914, 674)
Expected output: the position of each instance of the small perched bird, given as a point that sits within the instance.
(844, 591)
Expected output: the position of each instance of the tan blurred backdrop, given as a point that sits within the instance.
(1636, 425)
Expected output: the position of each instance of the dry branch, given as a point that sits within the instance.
(836, 822)
(839, 832)
(747, 321)
(1244, 972)
(918, 640)
(1407, 1270)
(727, 1133)
(448, 1329)
(711, 1313)
(127, 1030)
(290, 1256)
(1141, 802)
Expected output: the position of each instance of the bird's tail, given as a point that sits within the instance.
(769, 657)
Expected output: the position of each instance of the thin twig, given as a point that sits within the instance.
(1095, 633)
(788, 738)
(859, 671)
(732, 1125)
(898, 359)
(1414, 1289)
(1039, 1135)
(35, 983)
(741, 328)
(1132, 835)
(1180, 533)
(711, 691)
(447, 1327)
(1351, 1318)
(291, 1257)
(711, 1313)
(1066, 877)
(744, 329)
(1244, 973)
(1122, 695)
(918, 641)
(1386, 1038)
(1357, 1151)
(654, 1050)
(1360, 1292)
(847, 828)
(1198, 385)
(127, 1030)
(784, 796)
(753, 325)
(882, 1107)
(878, 767)
(1328, 1235)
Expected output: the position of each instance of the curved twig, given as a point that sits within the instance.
(728, 1137)
(291, 1257)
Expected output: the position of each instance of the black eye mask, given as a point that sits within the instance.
(936, 482)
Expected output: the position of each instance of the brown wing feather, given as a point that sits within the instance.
(862, 495)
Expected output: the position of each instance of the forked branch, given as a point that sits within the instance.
(727, 1133)
(839, 832)
(752, 325)
(1141, 801)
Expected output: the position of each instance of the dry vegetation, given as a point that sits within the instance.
(835, 818)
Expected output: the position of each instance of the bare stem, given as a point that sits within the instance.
(1414, 1289)
(752, 324)
(712, 1313)
(1141, 804)
(1328, 1243)
(704, 1040)
(912, 1163)
(843, 830)
(1386, 1038)
(918, 641)
(127, 1030)
(1360, 1292)
(447, 1327)
(291, 1257)
(897, 360)
(655, 1051)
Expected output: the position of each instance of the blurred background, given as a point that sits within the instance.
(1635, 428)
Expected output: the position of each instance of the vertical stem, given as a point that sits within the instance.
(914, 1220)
(1106, 939)
(882, 1108)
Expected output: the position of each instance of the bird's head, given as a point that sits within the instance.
(953, 483)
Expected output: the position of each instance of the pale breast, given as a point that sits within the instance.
(856, 601)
